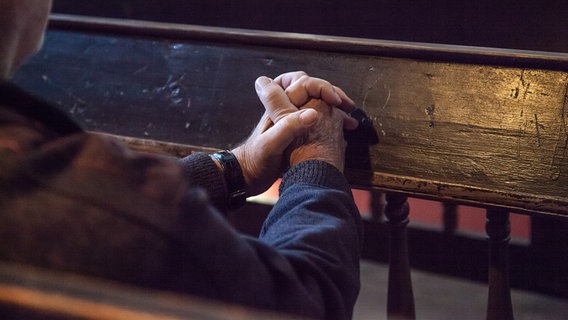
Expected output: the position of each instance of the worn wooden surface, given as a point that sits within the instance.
(488, 127)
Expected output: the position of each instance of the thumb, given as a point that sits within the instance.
(283, 133)
(275, 101)
(307, 117)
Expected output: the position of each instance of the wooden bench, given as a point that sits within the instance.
(482, 127)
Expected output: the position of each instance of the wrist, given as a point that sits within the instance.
(322, 154)
(233, 178)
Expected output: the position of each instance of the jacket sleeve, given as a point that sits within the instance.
(306, 260)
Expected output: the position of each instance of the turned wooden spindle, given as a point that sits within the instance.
(499, 305)
(450, 218)
(400, 298)
(377, 204)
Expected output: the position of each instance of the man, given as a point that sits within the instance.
(83, 203)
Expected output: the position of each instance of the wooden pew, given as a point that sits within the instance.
(477, 126)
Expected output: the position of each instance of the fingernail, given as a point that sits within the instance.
(262, 82)
(308, 117)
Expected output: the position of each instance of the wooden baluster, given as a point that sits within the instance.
(450, 218)
(447, 246)
(377, 204)
(400, 299)
(499, 306)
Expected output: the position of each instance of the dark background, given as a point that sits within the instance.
(530, 25)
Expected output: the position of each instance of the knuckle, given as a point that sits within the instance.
(303, 78)
(280, 115)
(271, 95)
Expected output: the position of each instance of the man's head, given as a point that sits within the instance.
(22, 25)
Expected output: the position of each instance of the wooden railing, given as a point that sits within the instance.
(477, 126)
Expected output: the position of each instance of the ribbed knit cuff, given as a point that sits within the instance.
(201, 171)
(315, 172)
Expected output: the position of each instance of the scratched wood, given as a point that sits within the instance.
(483, 127)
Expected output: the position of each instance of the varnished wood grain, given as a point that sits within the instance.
(454, 123)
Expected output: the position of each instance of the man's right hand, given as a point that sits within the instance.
(324, 141)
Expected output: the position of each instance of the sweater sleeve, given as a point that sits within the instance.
(201, 171)
(316, 226)
(305, 261)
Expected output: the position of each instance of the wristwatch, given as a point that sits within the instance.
(234, 179)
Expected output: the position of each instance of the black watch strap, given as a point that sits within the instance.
(234, 179)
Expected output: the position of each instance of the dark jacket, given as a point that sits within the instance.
(82, 202)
